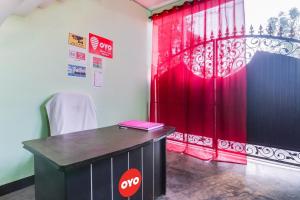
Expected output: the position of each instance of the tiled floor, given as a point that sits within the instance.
(193, 179)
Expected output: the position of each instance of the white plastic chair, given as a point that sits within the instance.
(71, 112)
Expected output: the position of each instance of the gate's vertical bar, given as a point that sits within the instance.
(215, 75)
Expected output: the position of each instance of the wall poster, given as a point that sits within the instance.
(96, 62)
(100, 46)
(77, 56)
(77, 41)
(77, 71)
(98, 78)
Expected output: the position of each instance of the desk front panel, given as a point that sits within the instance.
(100, 180)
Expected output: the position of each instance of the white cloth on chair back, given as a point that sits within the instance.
(71, 112)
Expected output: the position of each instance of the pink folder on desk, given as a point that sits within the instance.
(142, 125)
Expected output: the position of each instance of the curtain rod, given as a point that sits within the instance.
(151, 11)
(175, 6)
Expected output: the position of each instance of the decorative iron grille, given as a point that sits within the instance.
(262, 152)
(234, 51)
(236, 48)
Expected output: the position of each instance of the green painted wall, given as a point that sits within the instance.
(33, 59)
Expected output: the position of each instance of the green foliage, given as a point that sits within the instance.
(294, 13)
(287, 24)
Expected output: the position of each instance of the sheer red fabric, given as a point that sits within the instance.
(198, 78)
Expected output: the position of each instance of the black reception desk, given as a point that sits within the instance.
(88, 165)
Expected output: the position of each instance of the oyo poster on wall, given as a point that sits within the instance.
(77, 41)
(100, 46)
(96, 62)
(77, 56)
(77, 71)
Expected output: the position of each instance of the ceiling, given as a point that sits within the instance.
(21, 7)
(155, 4)
(25, 7)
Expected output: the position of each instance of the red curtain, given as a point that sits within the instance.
(198, 78)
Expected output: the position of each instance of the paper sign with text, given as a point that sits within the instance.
(77, 56)
(98, 78)
(96, 62)
(100, 46)
(77, 41)
(77, 71)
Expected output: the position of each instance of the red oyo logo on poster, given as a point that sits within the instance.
(100, 46)
(130, 182)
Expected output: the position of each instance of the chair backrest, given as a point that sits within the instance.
(71, 112)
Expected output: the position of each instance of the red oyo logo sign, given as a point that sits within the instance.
(100, 46)
(130, 182)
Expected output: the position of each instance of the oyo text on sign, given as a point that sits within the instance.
(100, 46)
(130, 182)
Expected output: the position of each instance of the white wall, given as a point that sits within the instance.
(33, 63)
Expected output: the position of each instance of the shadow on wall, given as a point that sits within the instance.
(17, 172)
(24, 166)
(45, 126)
(27, 164)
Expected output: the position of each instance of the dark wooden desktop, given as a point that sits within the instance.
(87, 165)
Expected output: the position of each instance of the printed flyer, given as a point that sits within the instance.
(77, 56)
(96, 62)
(100, 46)
(77, 41)
(98, 78)
(76, 71)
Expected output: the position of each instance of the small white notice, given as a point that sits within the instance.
(98, 78)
